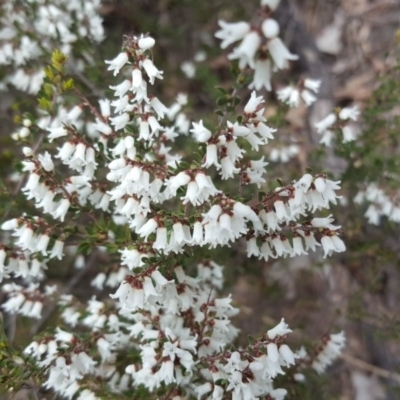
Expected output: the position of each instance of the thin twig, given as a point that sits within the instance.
(383, 373)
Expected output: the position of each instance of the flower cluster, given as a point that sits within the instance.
(381, 204)
(28, 34)
(162, 325)
(292, 95)
(341, 119)
(260, 48)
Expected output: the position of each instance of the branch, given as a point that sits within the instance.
(383, 373)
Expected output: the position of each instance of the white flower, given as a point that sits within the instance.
(151, 71)
(298, 248)
(247, 49)
(348, 134)
(63, 336)
(197, 236)
(331, 350)
(331, 244)
(86, 394)
(308, 97)
(349, 113)
(120, 121)
(175, 182)
(158, 107)
(42, 244)
(279, 53)
(281, 329)
(326, 123)
(228, 169)
(122, 88)
(189, 69)
(117, 63)
(290, 96)
(252, 248)
(25, 237)
(231, 32)
(9, 225)
(253, 105)
(148, 228)
(57, 250)
(211, 156)
(262, 75)
(105, 107)
(327, 138)
(27, 151)
(161, 238)
(62, 209)
(312, 84)
(56, 133)
(46, 161)
(201, 133)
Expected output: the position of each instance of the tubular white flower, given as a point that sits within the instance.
(349, 113)
(161, 239)
(231, 32)
(290, 96)
(137, 79)
(122, 88)
(308, 97)
(151, 71)
(57, 250)
(148, 228)
(158, 107)
(348, 134)
(201, 133)
(9, 225)
(120, 121)
(46, 161)
(247, 50)
(105, 110)
(62, 209)
(42, 244)
(56, 133)
(280, 54)
(211, 156)
(254, 103)
(262, 75)
(312, 84)
(281, 329)
(326, 123)
(228, 169)
(117, 63)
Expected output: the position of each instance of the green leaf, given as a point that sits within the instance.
(221, 101)
(68, 85)
(84, 248)
(221, 89)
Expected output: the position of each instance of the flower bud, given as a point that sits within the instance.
(24, 132)
(270, 28)
(27, 122)
(146, 43)
(28, 152)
